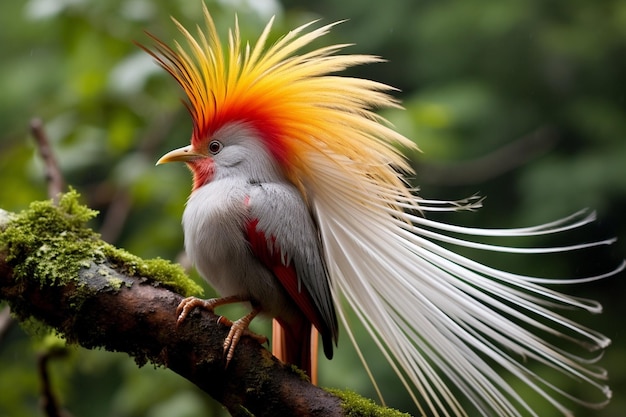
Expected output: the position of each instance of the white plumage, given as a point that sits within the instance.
(435, 312)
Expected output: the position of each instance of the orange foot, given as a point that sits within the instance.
(237, 329)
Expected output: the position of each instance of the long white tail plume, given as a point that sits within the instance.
(438, 316)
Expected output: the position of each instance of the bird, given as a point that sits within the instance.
(301, 208)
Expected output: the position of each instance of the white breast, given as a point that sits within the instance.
(214, 223)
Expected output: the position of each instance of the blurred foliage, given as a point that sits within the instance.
(476, 77)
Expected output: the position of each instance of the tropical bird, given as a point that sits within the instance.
(300, 206)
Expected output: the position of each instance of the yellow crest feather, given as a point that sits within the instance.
(295, 101)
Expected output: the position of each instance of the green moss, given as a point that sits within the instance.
(52, 244)
(300, 373)
(35, 327)
(48, 243)
(158, 270)
(51, 341)
(116, 283)
(354, 405)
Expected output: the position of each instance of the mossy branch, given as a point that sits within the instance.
(53, 268)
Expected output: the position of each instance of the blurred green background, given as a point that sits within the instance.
(522, 101)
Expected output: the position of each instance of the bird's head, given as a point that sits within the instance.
(283, 104)
(235, 149)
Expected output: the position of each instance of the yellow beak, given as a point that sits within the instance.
(184, 154)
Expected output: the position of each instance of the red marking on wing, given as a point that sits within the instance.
(270, 254)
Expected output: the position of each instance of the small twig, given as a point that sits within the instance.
(54, 178)
(49, 403)
(6, 321)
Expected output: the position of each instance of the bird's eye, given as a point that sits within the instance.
(215, 146)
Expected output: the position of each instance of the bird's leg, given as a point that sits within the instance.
(238, 329)
(189, 303)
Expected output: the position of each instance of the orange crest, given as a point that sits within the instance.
(294, 102)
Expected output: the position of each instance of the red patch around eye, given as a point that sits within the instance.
(203, 171)
(258, 116)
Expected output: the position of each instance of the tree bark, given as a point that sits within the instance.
(139, 317)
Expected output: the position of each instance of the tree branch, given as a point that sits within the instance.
(103, 305)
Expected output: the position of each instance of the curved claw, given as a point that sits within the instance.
(188, 304)
(237, 329)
